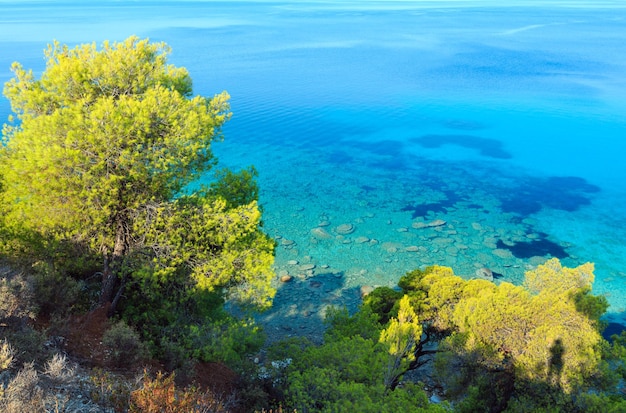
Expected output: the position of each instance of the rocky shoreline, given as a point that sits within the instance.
(337, 263)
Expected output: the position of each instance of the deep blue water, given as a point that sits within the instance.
(507, 122)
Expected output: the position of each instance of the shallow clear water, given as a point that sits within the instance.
(506, 122)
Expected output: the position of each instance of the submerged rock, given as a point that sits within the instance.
(502, 253)
(345, 229)
(442, 241)
(431, 224)
(391, 247)
(320, 233)
(484, 273)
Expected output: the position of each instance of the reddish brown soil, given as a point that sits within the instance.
(84, 343)
(216, 377)
(84, 337)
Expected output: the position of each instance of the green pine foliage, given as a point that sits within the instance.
(102, 154)
(354, 367)
(505, 347)
(382, 301)
(97, 174)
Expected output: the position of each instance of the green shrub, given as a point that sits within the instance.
(382, 302)
(229, 341)
(56, 294)
(110, 391)
(364, 323)
(15, 301)
(173, 356)
(29, 345)
(124, 345)
(16, 309)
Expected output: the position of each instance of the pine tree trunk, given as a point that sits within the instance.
(109, 279)
(112, 266)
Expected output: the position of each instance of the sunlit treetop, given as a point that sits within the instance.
(105, 141)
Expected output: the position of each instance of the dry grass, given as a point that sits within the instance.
(6, 355)
(23, 394)
(160, 395)
(60, 370)
(59, 388)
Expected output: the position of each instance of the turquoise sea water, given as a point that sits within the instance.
(368, 119)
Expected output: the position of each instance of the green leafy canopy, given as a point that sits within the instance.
(103, 146)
